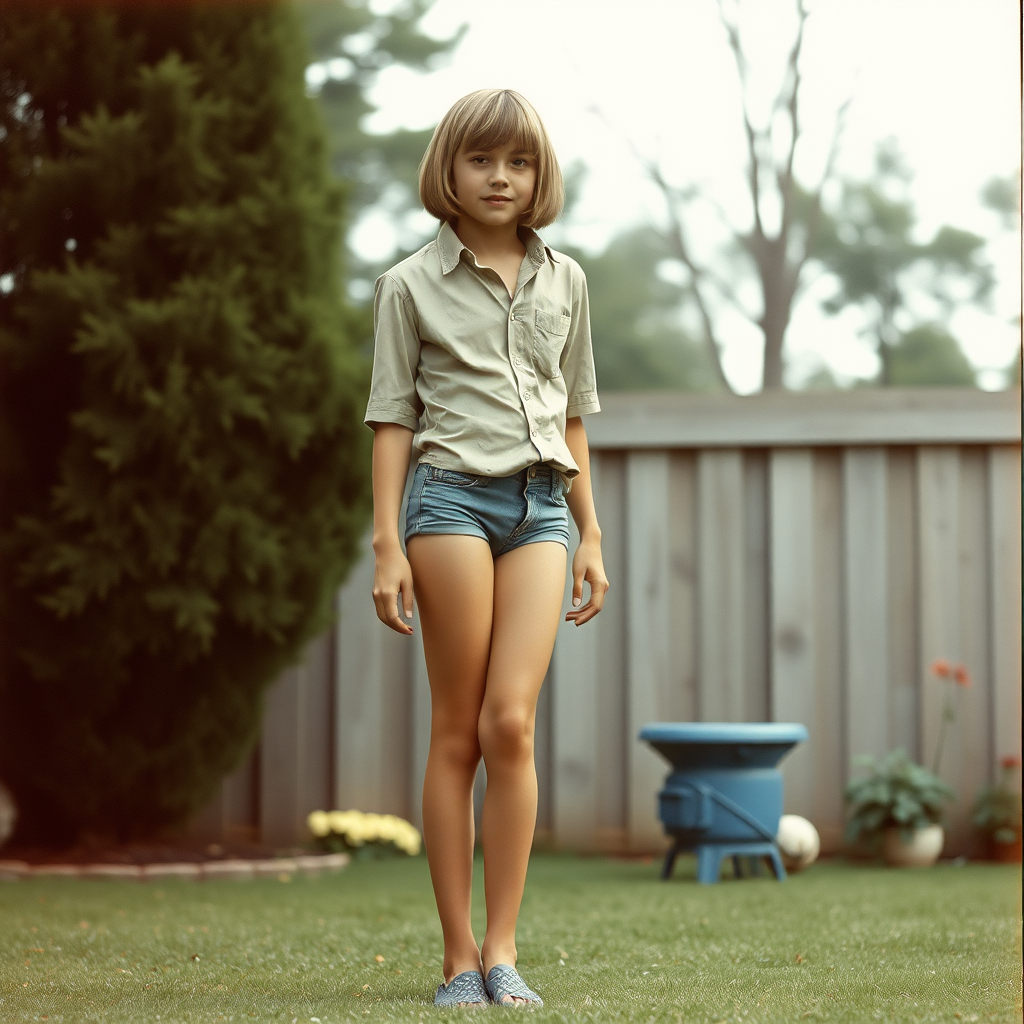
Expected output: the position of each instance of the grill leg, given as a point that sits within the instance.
(777, 866)
(709, 864)
(670, 863)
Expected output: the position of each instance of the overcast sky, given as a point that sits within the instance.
(942, 76)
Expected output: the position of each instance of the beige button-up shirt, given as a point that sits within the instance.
(485, 380)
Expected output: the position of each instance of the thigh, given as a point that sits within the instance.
(453, 583)
(529, 587)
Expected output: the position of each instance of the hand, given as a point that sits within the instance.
(587, 564)
(392, 575)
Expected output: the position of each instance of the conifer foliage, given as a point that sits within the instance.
(182, 462)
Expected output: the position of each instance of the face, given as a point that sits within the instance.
(495, 186)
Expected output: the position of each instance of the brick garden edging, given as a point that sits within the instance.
(240, 870)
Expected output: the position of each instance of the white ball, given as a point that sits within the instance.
(798, 841)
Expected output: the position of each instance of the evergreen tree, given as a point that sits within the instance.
(182, 462)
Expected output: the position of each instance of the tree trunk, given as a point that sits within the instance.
(778, 285)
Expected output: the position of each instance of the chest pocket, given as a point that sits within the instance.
(550, 332)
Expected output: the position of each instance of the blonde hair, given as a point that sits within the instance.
(488, 119)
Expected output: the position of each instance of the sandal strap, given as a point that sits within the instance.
(504, 980)
(467, 987)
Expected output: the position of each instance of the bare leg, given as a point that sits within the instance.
(529, 584)
(454, 583)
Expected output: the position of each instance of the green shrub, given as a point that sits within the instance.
(183, 468)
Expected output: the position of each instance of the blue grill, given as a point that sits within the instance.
(723, 797)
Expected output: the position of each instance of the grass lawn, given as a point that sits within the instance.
(600, 940)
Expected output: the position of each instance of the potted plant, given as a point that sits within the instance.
(997, 814)
(900, 803)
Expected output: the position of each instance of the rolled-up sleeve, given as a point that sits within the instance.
(577, 361)
(396, 356)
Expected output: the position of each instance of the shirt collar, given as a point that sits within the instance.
(450, 247)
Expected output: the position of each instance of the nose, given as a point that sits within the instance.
(498, 180)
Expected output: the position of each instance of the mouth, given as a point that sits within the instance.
(497, 200)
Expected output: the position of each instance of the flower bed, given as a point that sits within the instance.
(235, 868)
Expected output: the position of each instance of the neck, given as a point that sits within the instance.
(483, 240)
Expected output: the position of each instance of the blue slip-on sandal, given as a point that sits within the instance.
(503, 980)
(467, 987)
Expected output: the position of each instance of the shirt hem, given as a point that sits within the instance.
(583, 405)
(391, 412)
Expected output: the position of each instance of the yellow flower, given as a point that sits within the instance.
(339, 821)
(319, 823)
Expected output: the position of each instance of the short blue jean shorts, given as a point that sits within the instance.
(505, 511)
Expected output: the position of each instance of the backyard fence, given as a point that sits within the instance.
(782, 557)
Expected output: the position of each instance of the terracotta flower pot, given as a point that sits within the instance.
(921, 852)
(1004, 853)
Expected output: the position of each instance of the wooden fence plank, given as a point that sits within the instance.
(792, 610)
(281, 755)
(208, 824)
(682, 555)
(721, 595)
(648, 628)
(1004, 488)
(316, 770)
(938, 471)
(903, 645)
(613, 709)
(420, 698)
(756, 626)
(829, 747)
(360, 688)
(543, 759)
(395, 724)
(241, 804)
(967, 761)
(865, 586)
(574, 725)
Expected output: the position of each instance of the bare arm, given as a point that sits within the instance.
(392, 575)
(587, 563)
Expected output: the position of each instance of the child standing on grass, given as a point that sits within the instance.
(483, 363)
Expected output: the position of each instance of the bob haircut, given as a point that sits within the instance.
(489, 119)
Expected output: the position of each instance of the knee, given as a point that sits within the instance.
(456, 744)
(506, 735)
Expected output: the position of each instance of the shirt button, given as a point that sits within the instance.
(533, 433)
(512, 317)
(518, 361)
(527, 395)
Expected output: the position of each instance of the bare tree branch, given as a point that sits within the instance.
(752, 135)
(677, 239)
(790, 102)
(779, 254)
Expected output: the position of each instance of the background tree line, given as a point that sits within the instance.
(656, 300)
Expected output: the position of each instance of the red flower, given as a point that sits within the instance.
(940, 668)
(962, 676)
(1009, 761)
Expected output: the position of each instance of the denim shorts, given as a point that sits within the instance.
(505, 511)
